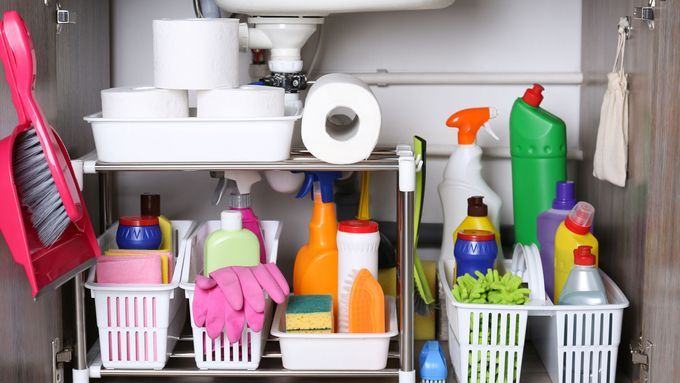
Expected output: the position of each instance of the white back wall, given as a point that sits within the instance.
(470, 36)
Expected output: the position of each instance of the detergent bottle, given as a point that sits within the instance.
(240, 200)
(546, 228)
(538, 147)
(463, 177)
(572, 233)
(478, 219)
(584, 285)
(316, 265)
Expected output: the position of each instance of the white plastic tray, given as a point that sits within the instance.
(192, 139)
(237, 356)
(336, 351)
(139, 324)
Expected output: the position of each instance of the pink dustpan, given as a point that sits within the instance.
(75, 249)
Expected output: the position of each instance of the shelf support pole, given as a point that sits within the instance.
(405, 197)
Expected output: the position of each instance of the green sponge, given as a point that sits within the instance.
(309, 314)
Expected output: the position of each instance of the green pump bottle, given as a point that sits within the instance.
(538, 146)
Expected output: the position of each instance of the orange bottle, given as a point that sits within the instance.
(316, 263)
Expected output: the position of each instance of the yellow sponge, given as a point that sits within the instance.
(309, 314)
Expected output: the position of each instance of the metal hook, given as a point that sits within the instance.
(624, 26)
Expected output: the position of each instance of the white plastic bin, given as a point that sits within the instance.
(575, 343)
(244, 355)
(581, 343)
(486, 342)
(338, 351)
(192, 139)
(139, 324)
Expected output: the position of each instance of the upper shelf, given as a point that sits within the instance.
(381, 159)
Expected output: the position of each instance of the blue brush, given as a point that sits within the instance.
(432, 363)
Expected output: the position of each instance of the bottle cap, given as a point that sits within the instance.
(580, 218)
(358, 226)
(240, 201)
(144, 220)
(476, 235)
(564, 196)
(533, 96)
(583, 256)
(150, 204)
(477, 207)
(231, 220)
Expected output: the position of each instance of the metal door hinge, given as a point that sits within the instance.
(640, 352)
(64, 16)
(60, 354)
(645, 14)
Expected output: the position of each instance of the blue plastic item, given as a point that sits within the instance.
(475, 250)
(319, 180)
(139, 233)
(432, 363)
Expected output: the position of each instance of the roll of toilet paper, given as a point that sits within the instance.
(195, 53)
(144, 102)
(244, 102)
(341, 120)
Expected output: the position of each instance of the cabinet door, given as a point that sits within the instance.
(27, 327)
(661, 299)
(638, 225)
(72, 68)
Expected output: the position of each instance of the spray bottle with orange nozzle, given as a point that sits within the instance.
(463, 177)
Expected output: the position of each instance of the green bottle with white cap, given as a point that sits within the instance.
(231, 245)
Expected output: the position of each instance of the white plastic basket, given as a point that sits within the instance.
(192, 139)
(338, 351)
(244, 355)
(139, 324)
(575, 343)
(486, 342)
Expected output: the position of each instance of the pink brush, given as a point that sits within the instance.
(44, 221)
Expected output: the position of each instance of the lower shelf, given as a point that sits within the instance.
(182, 364)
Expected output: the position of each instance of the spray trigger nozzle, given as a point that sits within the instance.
(489, 131)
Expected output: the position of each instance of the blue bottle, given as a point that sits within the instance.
(475, 250)
(139, 233)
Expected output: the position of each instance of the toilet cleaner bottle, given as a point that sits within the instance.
(462, 177)
(315, 271)
(538, 147)
(572, 233)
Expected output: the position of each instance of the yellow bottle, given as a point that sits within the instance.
(572, 233)
(478, 219)
(150, 204)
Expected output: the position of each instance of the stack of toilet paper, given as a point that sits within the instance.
(194, 55)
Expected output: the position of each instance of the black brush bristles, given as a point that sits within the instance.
(37, 190)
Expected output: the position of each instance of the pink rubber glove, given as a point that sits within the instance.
(201, 302)
(255, 319)
(229, 283)
(252, 291)
(234, 323)
(272, 281)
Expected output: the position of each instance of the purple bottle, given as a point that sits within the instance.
(547, 224)
(243, 203)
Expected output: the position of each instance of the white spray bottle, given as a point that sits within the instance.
(463, 175)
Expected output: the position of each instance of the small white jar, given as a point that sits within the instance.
(358, 242)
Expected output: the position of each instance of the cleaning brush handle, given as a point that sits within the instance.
(19, 58)
(9, 65)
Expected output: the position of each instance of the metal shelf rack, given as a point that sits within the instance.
(401, 364)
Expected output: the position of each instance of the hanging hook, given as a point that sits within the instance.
(624, 26)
